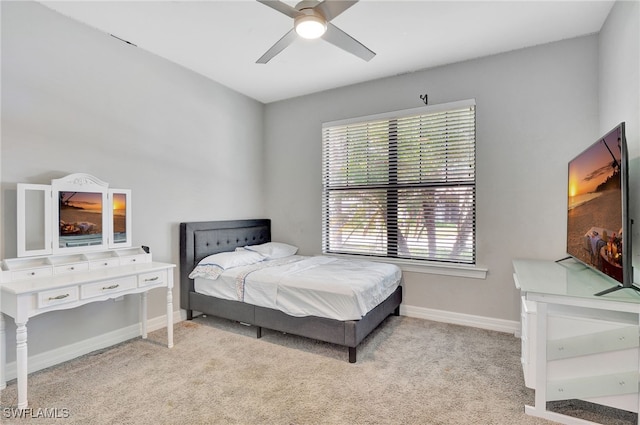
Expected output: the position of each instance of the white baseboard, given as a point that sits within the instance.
(71, 351)
(500, 325)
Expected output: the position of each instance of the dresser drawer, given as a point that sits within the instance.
(109, 286)
(70, 268)
(153, 278)
(133, 259)
(31, 273)
(103, 263)
(57, 296)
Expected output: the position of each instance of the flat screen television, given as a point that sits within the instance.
(598, 222)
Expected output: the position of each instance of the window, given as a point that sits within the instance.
(402, 185)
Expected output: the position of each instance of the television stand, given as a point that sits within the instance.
(576, 345)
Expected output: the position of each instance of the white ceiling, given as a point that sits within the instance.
(223, 39)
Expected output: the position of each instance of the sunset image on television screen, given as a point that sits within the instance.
(594, 221)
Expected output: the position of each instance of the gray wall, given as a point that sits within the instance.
(77, 100)
(536, 108)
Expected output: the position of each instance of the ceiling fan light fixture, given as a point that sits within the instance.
(310, 25)
(313, 19)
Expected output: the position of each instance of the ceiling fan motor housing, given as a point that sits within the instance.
(307, 4)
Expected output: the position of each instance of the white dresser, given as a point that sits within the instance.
(36, 285)
(576, 345)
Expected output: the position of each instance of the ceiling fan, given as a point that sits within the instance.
(311, 19)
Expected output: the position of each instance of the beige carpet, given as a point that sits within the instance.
(409, 371)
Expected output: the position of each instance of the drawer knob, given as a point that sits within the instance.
(58, 297)
(106, 288)
(152, 279)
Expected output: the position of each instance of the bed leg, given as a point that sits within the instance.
(396, 312)
(189, 314)
(258, 331)
(352, 354)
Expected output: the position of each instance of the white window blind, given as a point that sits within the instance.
(402, 185)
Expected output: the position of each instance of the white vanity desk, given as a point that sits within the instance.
(576, 345)
(37, 285)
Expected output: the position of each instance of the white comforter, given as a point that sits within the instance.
(308, 286)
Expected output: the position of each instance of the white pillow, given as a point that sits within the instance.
(273, 250)
(212, 266)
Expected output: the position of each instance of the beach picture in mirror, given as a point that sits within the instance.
(80, 219)
(119, 218)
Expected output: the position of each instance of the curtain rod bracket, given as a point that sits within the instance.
(424, 98)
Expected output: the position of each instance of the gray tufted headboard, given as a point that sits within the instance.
(200, 239)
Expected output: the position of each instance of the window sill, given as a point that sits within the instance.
(456, 270)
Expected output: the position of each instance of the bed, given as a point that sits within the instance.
(199, 240)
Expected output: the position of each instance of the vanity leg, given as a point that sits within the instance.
(169, 317)
(3, 353)
(21, 363)
(143, 314)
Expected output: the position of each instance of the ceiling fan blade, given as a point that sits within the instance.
(330, 8)
(287, 39)
(281, 7)
(341, 39)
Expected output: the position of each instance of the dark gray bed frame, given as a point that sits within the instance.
(200, 239)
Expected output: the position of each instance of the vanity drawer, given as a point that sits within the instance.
(57, 296)
(133, 259)
(109, 286)
(71, 268)
(31, 273)
(103, 263)
(153, 278)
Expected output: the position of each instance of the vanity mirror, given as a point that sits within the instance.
(34, 219)
(120, 218)
(77, 213)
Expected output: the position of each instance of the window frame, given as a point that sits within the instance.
(471, 269)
